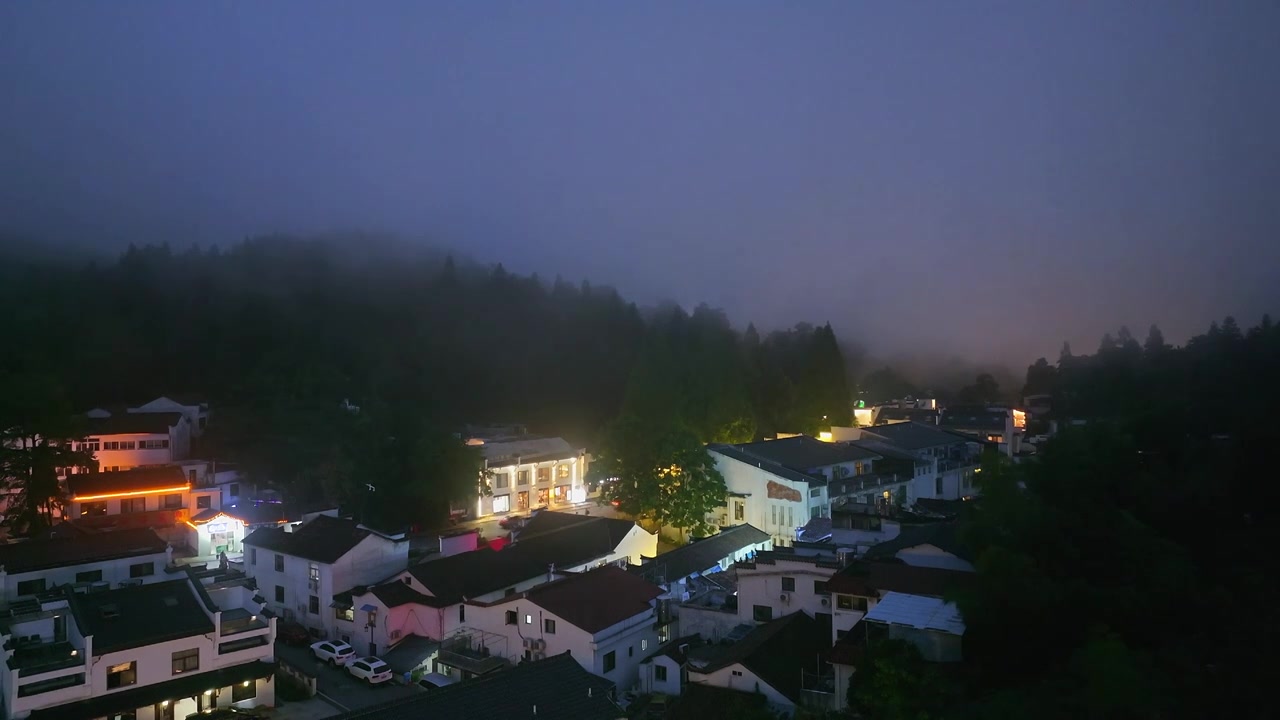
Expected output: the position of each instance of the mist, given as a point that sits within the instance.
(982, 181)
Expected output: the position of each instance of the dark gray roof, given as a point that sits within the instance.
(397, 593)
(409, 653)
(546, 521)
(915, 436)
(140, 615)
(156, 477)
(126, 423)
(470, 574)
(974, 417)
(596, 600)
(699, 556)
(777, 651)
(79, 549)
(557, 687)
(890, 414)
(805, 453)
(323, 539)
(782, 471)
(943, 535)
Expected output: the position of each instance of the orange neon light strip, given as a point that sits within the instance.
(133, 493)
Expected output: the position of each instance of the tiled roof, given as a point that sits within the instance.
(324, 539)
(776, 651)
(805, 453)
(874, 579)
(943, 535)
(140, 615)
(700, 556)
(782, 471)
(136, 480)
(475, 573)
(553, 689)
(596, 600)
(78, 549)
(127, 423)
(550, 521)
(397, 593)
(915, 436)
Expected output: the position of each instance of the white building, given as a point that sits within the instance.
(160, 497)
(123, 440)
(951, 459)
(429, 599)
(779, 485)
(300, 572)
(607, 619)
(782, 660)
(195, 411)
(782, 582)
(672, 570)
(157, 651)
(525, 473)
(80, 559)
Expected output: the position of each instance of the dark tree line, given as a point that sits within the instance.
(1127, 572)
(284, 336)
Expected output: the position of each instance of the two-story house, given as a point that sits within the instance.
(778, 485)
(122, 440)
(672, 570)
(524, 473)
(157, 651)
(429, 599)
(951, 459)
(783, 581)
(607, 619)
(998, 426)
(300, 570)
(82, 559)
(159, 497)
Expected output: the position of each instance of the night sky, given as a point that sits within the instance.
(954, 177)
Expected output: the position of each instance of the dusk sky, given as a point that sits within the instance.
(979, 178)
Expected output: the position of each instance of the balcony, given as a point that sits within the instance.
(39, 658)
(470, 654)
(237, 621)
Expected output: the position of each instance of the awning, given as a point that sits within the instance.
(368, 608)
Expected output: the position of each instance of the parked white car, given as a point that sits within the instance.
(338, 653)
(370, 669)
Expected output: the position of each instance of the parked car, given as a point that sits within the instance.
(512, 522)
(337, 653)
(432, 681)
(292, 633)
(370, 669)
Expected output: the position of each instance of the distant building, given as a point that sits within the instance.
(951, 459)
(998, 426)
(524, 472)
(124, 440)
(82, 560)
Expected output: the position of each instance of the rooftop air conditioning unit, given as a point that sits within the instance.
(784, 597)
(539, 644)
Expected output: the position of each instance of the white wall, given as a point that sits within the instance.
(574, 465)
(763, 586)
(649, 683)
(745, 681)
(114, 571)
(768, 514)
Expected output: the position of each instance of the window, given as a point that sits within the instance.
(122, 675)
(644, 644)
(191, 476)
(279, 594)
(145, 569)
(246, 690)
(610, 661)
(660, 673)
(736, 673)
(133, 505)
(186, 661)
(762, 613)
(313, 605)
(631, 651)
(111, 445)
(462, 613)
(171, 502)
(739, 513)
(501, 503)
(93, 509)
(347, 614)
(815, 511)
(90, 446)
(372, 619)
(128, 445)
(544, 475)
(511, 617)
(815, 492)
(528, 619)
(203, 502)
(522, 477)
(89, 576)
(233, 489)
(153, 444)
(31, 587)
(774, 509)
(790, 520)
(313, 572)
(279, 562)
(938, 485)
(549, 626)
(501, 481)
(789, 584)
(849, 602)
(562, 471)
(820, 587)
(253, 556)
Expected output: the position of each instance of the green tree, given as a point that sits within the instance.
(37, 434)
(894, 683)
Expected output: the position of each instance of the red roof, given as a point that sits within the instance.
(597, 599)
